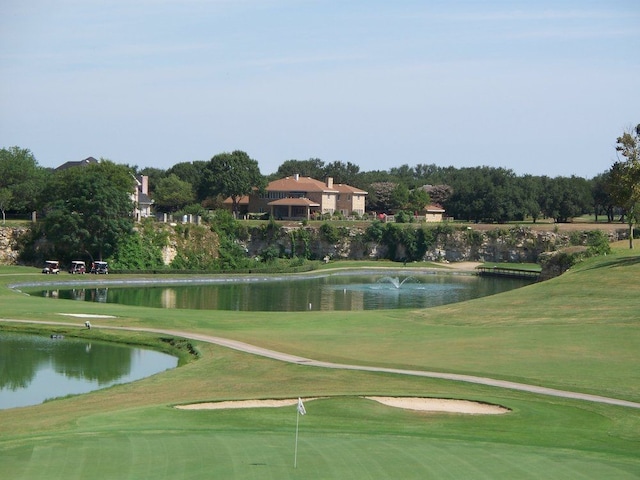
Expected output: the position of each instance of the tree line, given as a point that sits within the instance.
(89, 208)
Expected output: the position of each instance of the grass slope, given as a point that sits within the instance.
(576, 332)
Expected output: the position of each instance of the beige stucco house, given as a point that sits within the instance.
(298, 197)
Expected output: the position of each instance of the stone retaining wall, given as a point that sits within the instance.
(9, 244)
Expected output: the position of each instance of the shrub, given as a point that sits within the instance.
(598, 243)
(374, 231)
(329, 232)
(474, 238)
(269, 254)
(137, 252)
(576, 238)
(402, 217)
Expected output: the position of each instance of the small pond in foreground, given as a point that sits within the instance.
(346, 291)
(36, 368)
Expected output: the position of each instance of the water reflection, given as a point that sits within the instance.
(327, 293)
(35, 368)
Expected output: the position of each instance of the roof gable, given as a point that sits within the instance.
(343, 188)
(297, 184)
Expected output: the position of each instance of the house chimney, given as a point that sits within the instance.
(329, 182)
(296, 177)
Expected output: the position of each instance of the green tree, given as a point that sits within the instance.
(565, 197)
(232, 175)
(88, 209)
(314, 168)
(625, 177)
(172, 194)
(602, 201)
(404, 174)
(399, 197)
(155, 175)
(21, 180)
(418, 200)
(191, 172)
(342, 172)
(530, 188)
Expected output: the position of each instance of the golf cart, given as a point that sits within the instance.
(99, 268)
(51, 266)
(77, 266)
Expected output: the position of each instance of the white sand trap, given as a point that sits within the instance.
(441, 405)
(422, 404)
(241, 404)
(85, 315)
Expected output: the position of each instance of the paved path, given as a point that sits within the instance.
(285, 357)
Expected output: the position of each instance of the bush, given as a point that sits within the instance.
(598, 243)
(375, 231)
(137, 252)
(329, 232)
(269, 254)
(402, 217)
(474, 238)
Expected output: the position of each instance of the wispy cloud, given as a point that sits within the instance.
(576, 33)
(302, 60)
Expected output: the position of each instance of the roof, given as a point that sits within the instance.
(294, 202)
(244, 200)
(343, 188)
(79, 163)
(144, 199)
(298, 184)
(434, 209)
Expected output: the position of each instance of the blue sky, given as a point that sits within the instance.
(539, 87)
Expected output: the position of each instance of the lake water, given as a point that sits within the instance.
(371, 291)
(36, 368)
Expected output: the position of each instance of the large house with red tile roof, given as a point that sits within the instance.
(300, 197)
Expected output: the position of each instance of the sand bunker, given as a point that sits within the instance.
(441, 405)
(85, 315)
(414, 403)
(241, 404)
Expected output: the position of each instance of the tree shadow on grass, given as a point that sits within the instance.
(616, 262)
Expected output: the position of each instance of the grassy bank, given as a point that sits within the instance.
(577, 332)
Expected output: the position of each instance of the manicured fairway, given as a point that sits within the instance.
(578, 332)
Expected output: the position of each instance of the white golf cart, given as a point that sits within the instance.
(51, 266)
(78, 266)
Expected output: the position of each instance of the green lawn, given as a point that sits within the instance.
(576, 332)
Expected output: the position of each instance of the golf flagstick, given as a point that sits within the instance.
(300, 410)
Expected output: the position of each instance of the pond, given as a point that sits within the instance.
(36, 368)
(372, 290)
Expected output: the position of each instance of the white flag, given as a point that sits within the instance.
(301, 409)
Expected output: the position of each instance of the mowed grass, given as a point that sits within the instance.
(576, 332)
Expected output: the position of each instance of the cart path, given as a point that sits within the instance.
(285, 357)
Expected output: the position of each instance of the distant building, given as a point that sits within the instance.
(140, 197)
(299, 197)
(433, 213)
(79, 163)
